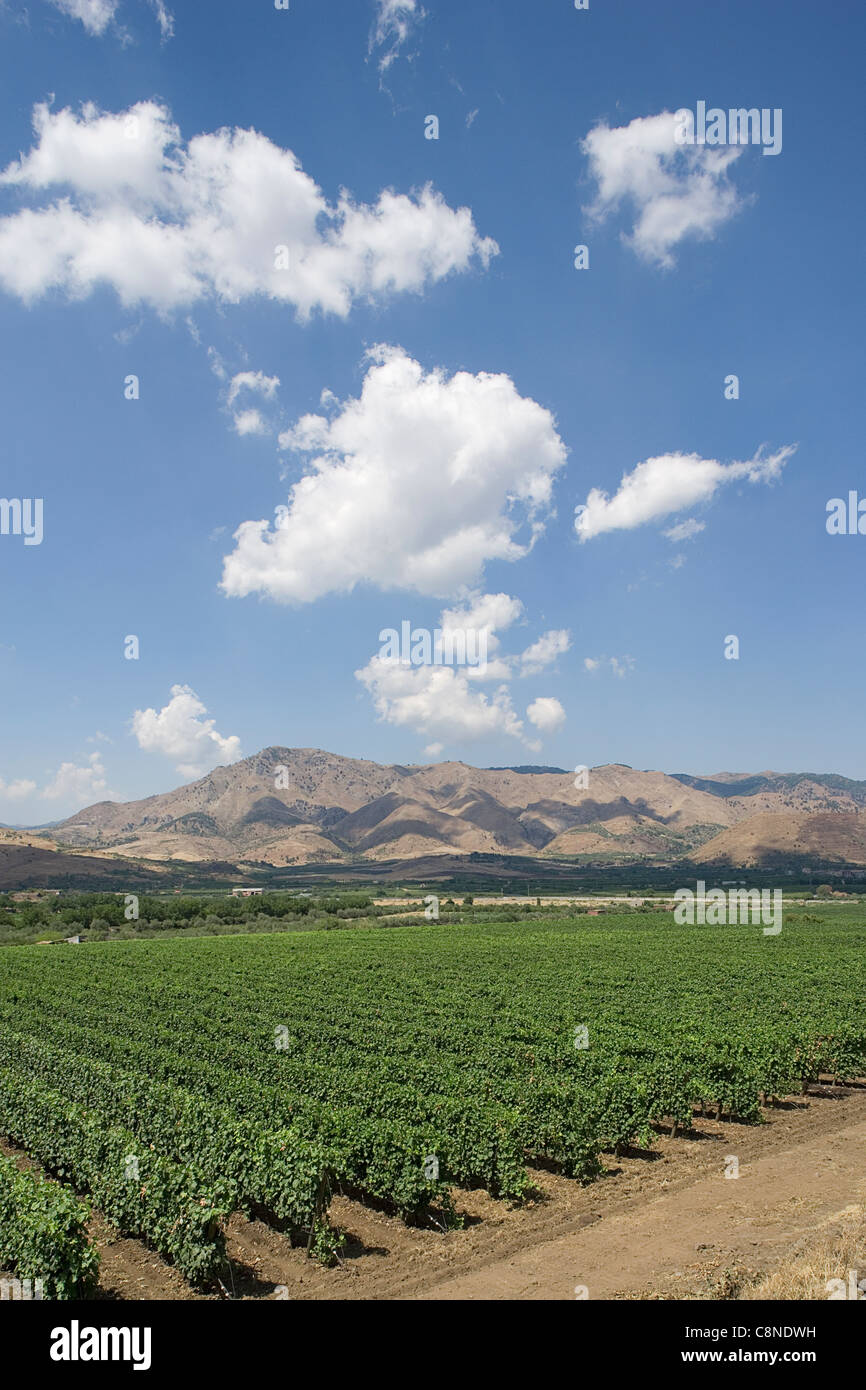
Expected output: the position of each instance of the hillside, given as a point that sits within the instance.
(287, 806)
(765, 839)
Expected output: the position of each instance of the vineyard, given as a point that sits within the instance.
(170, 1083)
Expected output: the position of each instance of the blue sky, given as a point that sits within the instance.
(482, 388)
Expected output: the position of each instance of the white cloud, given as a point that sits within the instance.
(416, 485)
(253, 381)
(216, 364)
(676, 191)
(164, 18)
(685, 530)
(250, 422)
(669, 483)
(494, 612)
(95, 15)
(74, 784)
(546, 714)
(438, 701)
(394, 21)
(179, 731)
(124, 336)
(168, 224)
(619, 666)
(79, 786)
(485, 615)
(544, 651)
(444, 702)
(15, 791)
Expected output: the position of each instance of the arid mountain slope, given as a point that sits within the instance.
(296, 806)
(762, 840)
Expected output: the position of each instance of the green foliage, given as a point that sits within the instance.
(165, 1204)
(243, 1166)
(101, 916)
(43, 1234)
(264, 1072)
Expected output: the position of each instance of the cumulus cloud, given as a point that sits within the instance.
(546, 714)
(438, 701)
(228, 216)
(394, 22)
(249, 422)
(670, 483)
(415, 485)
(676, 191)
(15, 791)
(485, 616)
(79, 785)
(545, 651)
(618, 666)
(73, 784)
(443, 702)
(256, 382)
(180, 732)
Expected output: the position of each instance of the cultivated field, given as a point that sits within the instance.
(456, 1078)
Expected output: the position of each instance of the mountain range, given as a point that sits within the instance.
(293, 806)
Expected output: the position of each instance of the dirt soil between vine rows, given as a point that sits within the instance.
(665, 1223)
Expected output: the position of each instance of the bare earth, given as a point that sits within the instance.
(661, 1224)
(678, 1243)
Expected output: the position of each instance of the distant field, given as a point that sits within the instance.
(178, 1081)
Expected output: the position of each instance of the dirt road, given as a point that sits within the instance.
(758, 1216)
